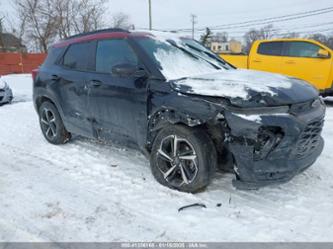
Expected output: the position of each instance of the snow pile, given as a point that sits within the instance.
(89, 191)
(234, 83)
(21, 84)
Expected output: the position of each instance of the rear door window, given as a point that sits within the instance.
(270, 48)
(78, 56)
(110, 53)
(302, 49)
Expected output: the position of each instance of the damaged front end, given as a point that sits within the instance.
(266, 126)
(273, 144)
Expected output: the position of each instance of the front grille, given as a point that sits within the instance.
(309, 138)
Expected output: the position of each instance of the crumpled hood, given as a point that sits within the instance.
(244, 86)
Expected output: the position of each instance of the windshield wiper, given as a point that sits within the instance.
(194, 55)
(211, 55)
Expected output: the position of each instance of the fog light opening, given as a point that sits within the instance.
(268, 139)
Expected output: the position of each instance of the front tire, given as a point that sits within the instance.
(183, 158)
(51, 124)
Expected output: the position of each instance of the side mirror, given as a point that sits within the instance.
(324, 54)
(128, 70)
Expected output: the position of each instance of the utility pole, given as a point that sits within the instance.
(150, 16)
(2, 45)
(194, 21)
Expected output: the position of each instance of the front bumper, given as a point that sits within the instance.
(6, 95)
(327, 92)
(293, 144)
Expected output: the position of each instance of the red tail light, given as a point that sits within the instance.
(34, 74)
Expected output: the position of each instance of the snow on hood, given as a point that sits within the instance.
(238, 83)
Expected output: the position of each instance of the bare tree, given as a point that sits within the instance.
(291, 35)
(10, 24)
(64, 10)
(253, 35)
(329, 42)
(37, 21)
(121, 20)
(250, 37)
(222, 36)
(267, 32)
(88, 15)
(41, 21)
(318, 37)
(322, 38)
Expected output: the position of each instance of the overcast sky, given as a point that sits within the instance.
(175, 14)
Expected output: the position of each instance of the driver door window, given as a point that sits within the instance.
(110, 53)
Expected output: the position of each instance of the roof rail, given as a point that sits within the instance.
(97, 32)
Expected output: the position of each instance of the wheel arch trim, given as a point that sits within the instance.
(42, 95)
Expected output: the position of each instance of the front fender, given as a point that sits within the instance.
(175, 108)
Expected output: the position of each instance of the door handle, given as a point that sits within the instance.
(55, 77)
(257, 61)
(290, 62)
(95, 83)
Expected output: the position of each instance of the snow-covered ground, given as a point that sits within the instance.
(88, 191)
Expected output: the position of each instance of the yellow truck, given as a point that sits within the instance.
(301, 58)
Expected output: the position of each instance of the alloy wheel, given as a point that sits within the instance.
(177, 160)
(48, 123)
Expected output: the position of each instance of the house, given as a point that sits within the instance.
(229, 47)
(10, 43)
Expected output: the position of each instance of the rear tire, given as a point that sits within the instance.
(188, 168)
(51, 124)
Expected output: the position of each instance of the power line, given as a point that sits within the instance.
(314, 12)
(241, 13)
(270, 20)
(264, 21)
(284, 29)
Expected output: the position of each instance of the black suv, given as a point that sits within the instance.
(184, 107)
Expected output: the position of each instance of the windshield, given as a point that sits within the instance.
(175, 60)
